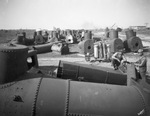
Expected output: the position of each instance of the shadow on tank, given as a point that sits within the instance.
(27, 89)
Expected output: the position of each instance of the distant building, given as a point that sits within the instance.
(138, 27)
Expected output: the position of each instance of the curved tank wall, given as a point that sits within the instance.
(75, 71)
(56, 97)
(86, 46)
(13, 62)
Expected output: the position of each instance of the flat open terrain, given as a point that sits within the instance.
(52, 58)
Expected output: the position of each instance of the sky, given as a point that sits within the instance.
(73, 14)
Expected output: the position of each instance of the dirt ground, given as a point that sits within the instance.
(53, 58)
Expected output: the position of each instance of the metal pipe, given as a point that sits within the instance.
(101, 52)
(68, 70)
(44, 47)
(96, 51)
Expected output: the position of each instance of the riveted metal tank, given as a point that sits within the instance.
(56, 97)
(29, 41)
(20, 39)
(103, 99)
(75, 71)
(86, 46)
(115, 42)
(129, 45)
(61, 48)
(19, 98)
(34, 95)
(134, 44)
(13, 61)
(130, 33)
(88, 35)
(64, 97)
(106, 32)
(115, 45)
(113, 34)
(69, 32)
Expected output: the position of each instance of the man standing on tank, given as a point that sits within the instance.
(142, 64)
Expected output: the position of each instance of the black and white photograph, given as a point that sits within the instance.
(74, 57)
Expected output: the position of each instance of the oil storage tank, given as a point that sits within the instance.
(116, 45)
(115, 42)
(113, 34)
(132, 42)
(86, 46)
(13, 61)
(88, 35)
(130, 33)
(57, 97)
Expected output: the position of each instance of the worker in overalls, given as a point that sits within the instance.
(141, 64)
(118, 59)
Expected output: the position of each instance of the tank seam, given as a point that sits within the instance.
(142, 98)
(67, 99)
(7, 85)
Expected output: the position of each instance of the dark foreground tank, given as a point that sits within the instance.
(35, 93)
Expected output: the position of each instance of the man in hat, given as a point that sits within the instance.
(141, 64)
(118, 59)
(39, 38)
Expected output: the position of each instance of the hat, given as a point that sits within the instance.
(140, 50)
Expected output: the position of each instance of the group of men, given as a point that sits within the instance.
(118, 59)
